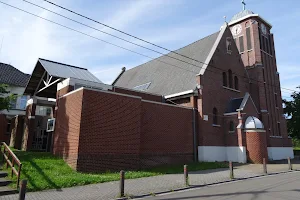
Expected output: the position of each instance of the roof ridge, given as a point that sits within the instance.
(62, 63)
(174, 51)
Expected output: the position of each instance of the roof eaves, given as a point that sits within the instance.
(248, 16)
(213, 49)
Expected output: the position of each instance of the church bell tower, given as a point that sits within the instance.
(255, 42)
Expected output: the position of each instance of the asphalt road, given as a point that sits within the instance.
(280, 186)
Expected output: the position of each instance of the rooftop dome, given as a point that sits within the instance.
(241, 15)
(253, 123)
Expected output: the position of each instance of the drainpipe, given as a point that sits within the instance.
(195, 138)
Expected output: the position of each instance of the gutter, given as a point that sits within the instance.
(180, 94)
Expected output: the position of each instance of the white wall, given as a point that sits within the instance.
(19, 91)
(222, 153)
(279, 153)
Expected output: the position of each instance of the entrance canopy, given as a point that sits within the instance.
(46, 75)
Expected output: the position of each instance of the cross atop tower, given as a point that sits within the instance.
(244, 4)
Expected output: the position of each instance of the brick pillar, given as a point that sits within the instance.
(29, 127)
(256, 146)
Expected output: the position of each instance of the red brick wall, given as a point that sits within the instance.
(29, 127)
(146, 96)
(215, 95)
(4, 137)
(109, 132)
(64, 91)
(112, 132)
(256, 146)
(67, 127)
(167, 134)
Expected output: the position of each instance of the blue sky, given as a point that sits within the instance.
(169, 23)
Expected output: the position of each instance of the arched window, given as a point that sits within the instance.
(224, 79)
(236, 83)
(231, 126)
(215, 116)
(230, 78)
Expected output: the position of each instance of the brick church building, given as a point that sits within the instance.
(217, 99)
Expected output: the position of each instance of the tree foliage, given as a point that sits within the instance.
(292, 110)
(5, 98)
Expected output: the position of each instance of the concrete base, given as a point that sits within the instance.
(221, 153)
(279, 153)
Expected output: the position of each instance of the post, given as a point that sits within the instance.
(22, 191)
(231, 175)
(122, 179)
(265, 166)
(186, 175)
(290, 164)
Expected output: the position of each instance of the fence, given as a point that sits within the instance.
(188, 178)
(11, 159)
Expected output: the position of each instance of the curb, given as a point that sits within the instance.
(210, 184)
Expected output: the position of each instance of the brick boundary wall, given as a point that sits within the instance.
(167, 134)
(67, 128)
(110, 131)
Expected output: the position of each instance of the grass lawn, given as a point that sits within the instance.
(45, 171)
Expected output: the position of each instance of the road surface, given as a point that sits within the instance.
(275, 187)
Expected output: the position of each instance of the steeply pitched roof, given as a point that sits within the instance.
(57, 71)
(12, 76)
(163, 76)
(61, 70)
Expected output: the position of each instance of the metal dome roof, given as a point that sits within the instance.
(253, 123)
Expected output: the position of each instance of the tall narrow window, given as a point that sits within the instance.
(236, 83)
(228, 45)
(279, 129)
(231, 126)
(249, 44)
(230, 78)
(241, 39)
(215, 116)
(224, 79)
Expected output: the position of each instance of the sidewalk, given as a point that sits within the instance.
(156, 184)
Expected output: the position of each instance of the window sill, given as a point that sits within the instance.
(216, 125)
(228, 88)
(231, 132)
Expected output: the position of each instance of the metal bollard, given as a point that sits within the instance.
(290, 164)
(265, 166)
(231, 175)
(122, 180)
(22, 191)
(186, 175)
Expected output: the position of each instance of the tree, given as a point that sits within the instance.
(5, 99)
(292, 110)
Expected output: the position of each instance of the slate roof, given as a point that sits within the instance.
(233, 105)
(12, 76)
(166, 79)
(241, 15)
